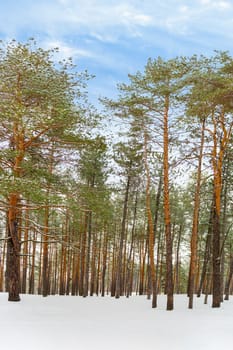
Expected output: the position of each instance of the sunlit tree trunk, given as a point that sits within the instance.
(217, 162)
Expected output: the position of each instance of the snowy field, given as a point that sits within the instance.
(97, 323)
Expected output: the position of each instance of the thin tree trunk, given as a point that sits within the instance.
(228, 282)
(104, 262)
(25, 254)
(93, 264)
(167, 215)
(194, 237)
(55, 271)
(45, 256)
(119, 269)
(207, 252)
(87, 267)
(177, 270)
(13, 250)
(2, 266)
(40, 267)
(224, 232)
(142, 258)
(32, 271)
(151, 238)
(98, 266)
(68, 272)
(158, 261)
(217, 168)
(83, 255)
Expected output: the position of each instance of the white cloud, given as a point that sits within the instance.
(205, 2)
(223, 5)
(184, 9)
(66, 51)
(111, 36)
(219, 4)
(132, 17)
(114, 21)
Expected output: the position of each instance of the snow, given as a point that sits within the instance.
(65, 322)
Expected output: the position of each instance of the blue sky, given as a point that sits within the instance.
(112, 38)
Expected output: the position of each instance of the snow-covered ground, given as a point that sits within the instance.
(97, 323)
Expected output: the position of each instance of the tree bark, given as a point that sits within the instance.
(13, 251)
(119, 269)
(194, 237)
(167, 215)
(228, 282)
(151, 238)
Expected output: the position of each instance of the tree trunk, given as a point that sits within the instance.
(104, 262)
(177, 268)
(218, 153)
(167, 215)
(32, 271)
(119, 269)
(228, 282)
(98, 267)
(194, 237)
(2, 265)
(87, 267)
(216, 260)
(13, 251)
(83, 255)
(151, 237)
(25, 254)
(217, 170)
(45, 257)
(207, 252)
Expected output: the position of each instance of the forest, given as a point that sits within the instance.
(146, 212)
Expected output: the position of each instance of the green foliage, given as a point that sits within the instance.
(40, 108)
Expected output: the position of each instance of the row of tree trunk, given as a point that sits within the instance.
(93, 261)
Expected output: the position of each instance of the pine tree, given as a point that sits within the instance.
(37, 108)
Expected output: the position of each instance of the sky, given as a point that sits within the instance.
(112, 38)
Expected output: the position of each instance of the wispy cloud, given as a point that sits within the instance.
(66, 50)
(219, 4)
(62, 16)
(113, 37)
(110, 20)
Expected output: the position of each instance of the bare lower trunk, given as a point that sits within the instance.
(228, 282)
(119, 271)
(13, 252)
(216, 262)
